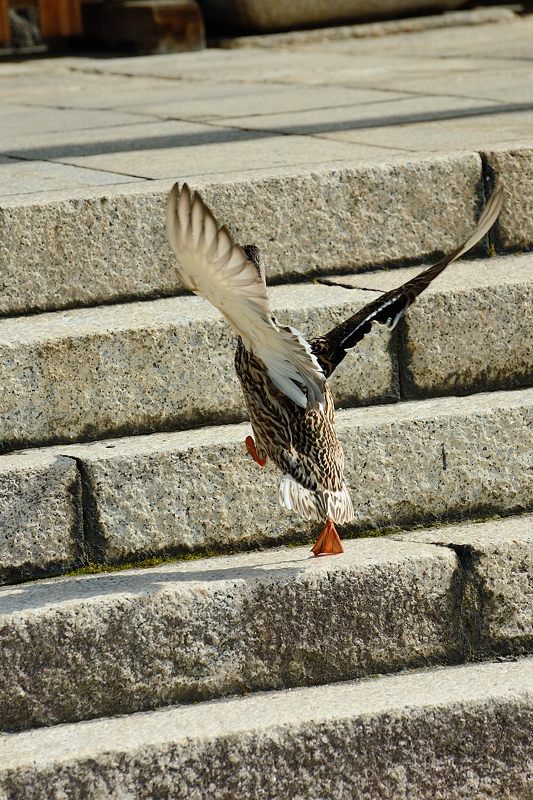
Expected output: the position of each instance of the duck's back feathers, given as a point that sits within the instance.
(213, 266)
(391, 306)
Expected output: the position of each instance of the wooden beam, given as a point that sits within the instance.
(5, 34)
(149, 26)
(59, 18)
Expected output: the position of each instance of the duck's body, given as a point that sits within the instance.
(283, 376)
(302, 442)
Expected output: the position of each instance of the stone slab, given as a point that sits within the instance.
(472, 724)
(35, 179)
(351, 121)
(405, 464)
(179, 632)
(481, 129)
(513, 168)
(18, 121)
(103, 246)
(271, 99)
(78, 89)
(164, 364)
(499, 558)
(40, 515)
(471, 330)
(230, 151)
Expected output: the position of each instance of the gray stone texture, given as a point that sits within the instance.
(461, 732)
(514, 170)
(148, 366)
(471, 330)
(498, 556)
(36, 179)
(100, 247)
(337, 33)
(40, 514)
(405, 463)
(480, 129)
(179, 632)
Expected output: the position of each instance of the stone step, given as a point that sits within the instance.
(168, 364)
(106, 243)
(94, 645)
(426, 735)
(157, 365)
(471, 330)
(198, 490)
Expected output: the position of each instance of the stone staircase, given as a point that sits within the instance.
(124, 471)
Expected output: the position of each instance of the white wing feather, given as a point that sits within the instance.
(213, 266)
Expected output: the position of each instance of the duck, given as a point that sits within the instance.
(285, 376)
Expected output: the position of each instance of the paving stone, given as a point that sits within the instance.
(229, 151)
(162, 364)
(405, 464)
(29, 177)
(513, 168)
(471, 330)
(78, 89)
(362, 118)
(18, 121)
(272, 99)
(479, 131)
(499, 559)
(184, 631)
(100, 246)
(471, 724)
(40, 514)
(143, 139)
(510, 85)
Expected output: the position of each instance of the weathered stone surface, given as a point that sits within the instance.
(254, 15)
(36, 178)
(428, 735)
(221, 153)
(360, 122)
(499, 558)
(462, 130)
(513, 169)
(405, 463)
(471, 330)
(94, 248)
(155, 365)
(179, 632)
(40, 514)
(19, 121)
(337, 33)
(223, 101)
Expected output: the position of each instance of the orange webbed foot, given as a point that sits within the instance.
(250, 446)
(329, 542)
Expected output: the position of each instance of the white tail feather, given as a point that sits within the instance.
(320, 505)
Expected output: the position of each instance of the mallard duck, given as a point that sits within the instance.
(283, 375)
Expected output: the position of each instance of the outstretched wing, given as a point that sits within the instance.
(390, 307)
(213, 266)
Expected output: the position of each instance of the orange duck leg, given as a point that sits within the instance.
(250, 446)
(329, 542)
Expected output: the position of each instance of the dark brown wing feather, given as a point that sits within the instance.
(391, 306)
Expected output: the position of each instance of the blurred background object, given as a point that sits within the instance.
(171, 26)
(258, 16)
